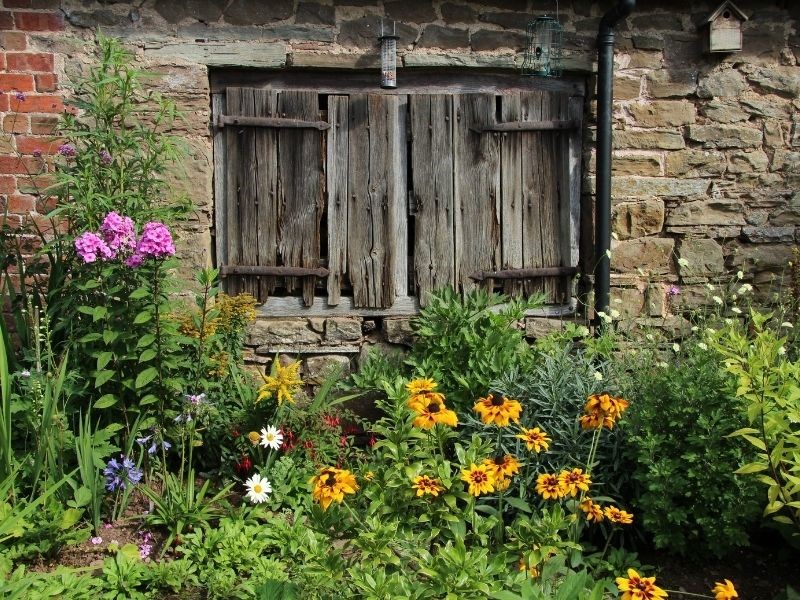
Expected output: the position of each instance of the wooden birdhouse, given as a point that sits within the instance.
(724, 29)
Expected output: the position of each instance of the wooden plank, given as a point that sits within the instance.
(477, 188)
(533, 172)
(551, 188)
(570, 228)
(232, 156)
(269, 122)
(229, 270)
(434, 241)
(371, 226)
(398, 196)
(266, 171)
(337, 161)
(299, 188)
(524, 273)
(415, 81)
(511, 197)
(549, 125)
(248, 191)
(220, 162)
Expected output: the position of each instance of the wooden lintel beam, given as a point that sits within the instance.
(524, 273)
(552, 125)
(229, 270)
(224, 120)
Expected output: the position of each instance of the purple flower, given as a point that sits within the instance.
(674, 290)
(145, 550)
(134, 261)
(156, 241)
(195, 399)
(119, 474)
(67, 150)
(105, 157)
(118, 232)
(37, 153)
(19, 95)
(97, 540)
(90, 245)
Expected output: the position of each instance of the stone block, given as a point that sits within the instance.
(437, 36)
(316, 369)
(761, 257)
(643, 60)
(728, 83)
(695, 163)
(485, 39)
(708, 212)
(664, 113)
(748, 162)
(724, 111)
(773, 134)
(364, 32)
(641, 187)
(457, 13)
(398, 331)
(222, 54)
(635, 164)
(637, 219)
(769, 107)
(700, 258)
(780, 80)
(658, 299)
(725, 136)
(507, 20)
(339, 329)
(675, 83)
(765, 235)
(650, 255)
(247, 12)
(629, 302)
(207, 11)
(460, 59)
(415, 11)
(281, 331)
(785, 160)
(648, 42)
(627, 88)
(657, 139)
(313, 13)
(538, 327)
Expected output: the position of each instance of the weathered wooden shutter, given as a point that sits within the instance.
(273, 187)
(511, 210)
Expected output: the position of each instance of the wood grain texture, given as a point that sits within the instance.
(477, 188)
(220, 212)
(533, 189)
(233, 251)
(337, 193)
(299, 188)
(432, 172)
(266, 174)
(511, 196)
(371, 213)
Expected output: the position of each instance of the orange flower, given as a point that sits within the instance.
(535, 439)
(427, 485)
(532, 570)
(594, 512)
(332, 484)
(498, 410)
(418, 386)
(574, 481)
(430, 410)
(636, 587)
(618, 516)
(502, 466)
(724, 591)
(479, 479)
(549, 486)
(602, 410)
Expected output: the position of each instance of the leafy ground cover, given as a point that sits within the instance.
(140, 458)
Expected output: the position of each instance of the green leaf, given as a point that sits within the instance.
(518, 503)
(89, 337)
(86, 310)
(69, 518)
(146, 340)
(146, 377)
(103, 359)
(142, 317)
(102, 377)
(148, 399)
(751, 468)
(148, 354)
(757, 442)
(106, 401)
(109, 335)
(139, 293)
(99, 312)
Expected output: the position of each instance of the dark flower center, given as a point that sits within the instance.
(479, 477)
(498, 400)
(434, 407)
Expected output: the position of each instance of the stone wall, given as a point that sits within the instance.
(706, 146)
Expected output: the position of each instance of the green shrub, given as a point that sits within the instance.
(688, 497)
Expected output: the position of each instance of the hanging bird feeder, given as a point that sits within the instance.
(545, 44)
(388, 39)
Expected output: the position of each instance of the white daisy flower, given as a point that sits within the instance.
(271, 437)
(736, 310)
(717, 299)
(258, 489)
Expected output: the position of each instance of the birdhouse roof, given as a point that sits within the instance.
(729, 6)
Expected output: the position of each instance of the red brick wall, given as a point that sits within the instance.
(30, 104)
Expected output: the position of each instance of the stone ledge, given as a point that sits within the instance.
(221, 54)
(307, 349)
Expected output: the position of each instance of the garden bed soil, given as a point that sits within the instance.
(759, 572)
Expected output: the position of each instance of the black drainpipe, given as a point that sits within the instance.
(605, 74)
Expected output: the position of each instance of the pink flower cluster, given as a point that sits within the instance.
(118, 238)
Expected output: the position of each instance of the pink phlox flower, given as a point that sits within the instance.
(67, 150)
(118, 232)
(156, 241)
(89, 246)
(134, 260)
